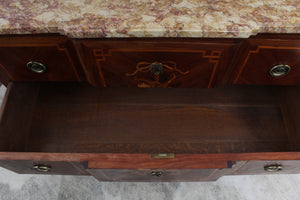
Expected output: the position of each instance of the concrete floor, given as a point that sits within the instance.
(48, 187)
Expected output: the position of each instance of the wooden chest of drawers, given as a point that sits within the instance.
(162, 109)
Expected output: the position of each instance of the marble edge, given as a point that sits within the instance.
(194, 33)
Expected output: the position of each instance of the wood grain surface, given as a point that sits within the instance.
(108, 62)
(78, 118)
(56, 52)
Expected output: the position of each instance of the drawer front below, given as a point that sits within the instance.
(44, 167)
(157, 175)
(269, 167)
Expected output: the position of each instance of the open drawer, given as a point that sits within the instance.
(123, 131)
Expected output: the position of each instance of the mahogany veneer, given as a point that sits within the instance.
(55, 52)
(73, 117)
(87, 121)
(187, 63)
(258, 55)
(196, 100)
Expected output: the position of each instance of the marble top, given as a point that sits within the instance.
(150, 18)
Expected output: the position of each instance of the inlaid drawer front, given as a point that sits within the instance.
(172, 167)
(44, 167)
(269, 167)
(272, 63)
(156, 175)
(154, 63)
(158, 167)
(39, 59)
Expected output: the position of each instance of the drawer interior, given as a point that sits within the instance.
(77, 117)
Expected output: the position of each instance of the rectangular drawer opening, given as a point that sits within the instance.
(79, 118)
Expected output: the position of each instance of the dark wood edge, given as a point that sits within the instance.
(4, 102)
(104, 160)
(89, 76)
(74, 59)
(289, 36)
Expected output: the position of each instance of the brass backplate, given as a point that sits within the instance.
(162, 155)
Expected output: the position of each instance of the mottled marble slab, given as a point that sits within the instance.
(150, 18)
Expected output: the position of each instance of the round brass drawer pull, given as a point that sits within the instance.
(157, 173)
(273, 168)
(36, 67)
(280, 70)
(41, 168)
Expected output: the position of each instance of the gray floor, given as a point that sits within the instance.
(45, 187)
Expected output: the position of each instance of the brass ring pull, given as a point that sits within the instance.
(157, 173)
(280, 70)
(36, 67)
(41, 168)
(273, 168)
